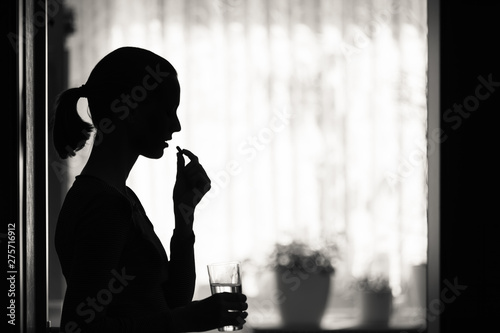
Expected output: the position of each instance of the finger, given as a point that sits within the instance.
(196, 172)
(235, 297)
(180, 161)
(194, 168)
(237, 306)
(191, 156)
(235, 318)
(234, 315)
(197, 176)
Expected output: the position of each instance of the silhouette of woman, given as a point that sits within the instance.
(118, 275)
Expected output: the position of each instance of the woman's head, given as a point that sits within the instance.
(130, 87)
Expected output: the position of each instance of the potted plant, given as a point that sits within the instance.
(303, 279)
(375, 300)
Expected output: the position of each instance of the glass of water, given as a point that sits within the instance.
(225, 277)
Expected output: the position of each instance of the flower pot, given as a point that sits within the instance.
(302, 298)
(376, 308)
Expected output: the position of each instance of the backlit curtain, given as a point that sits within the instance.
(309, 116)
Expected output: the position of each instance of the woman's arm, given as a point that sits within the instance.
(180, 286)
(191, 185)
(219, 309)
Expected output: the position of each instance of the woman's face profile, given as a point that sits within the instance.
(155, 121)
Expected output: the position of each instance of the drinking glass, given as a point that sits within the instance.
(225, 277)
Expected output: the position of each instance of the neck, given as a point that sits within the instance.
(111, 163)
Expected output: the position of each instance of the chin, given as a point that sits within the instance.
(156, 154)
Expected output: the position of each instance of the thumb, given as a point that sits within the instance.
(180, 160)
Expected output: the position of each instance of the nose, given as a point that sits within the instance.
(176, 125)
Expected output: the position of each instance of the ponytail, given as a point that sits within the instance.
(70, 132)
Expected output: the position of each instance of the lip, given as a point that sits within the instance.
(165, 141)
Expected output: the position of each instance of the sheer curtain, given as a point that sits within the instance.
(309, 116)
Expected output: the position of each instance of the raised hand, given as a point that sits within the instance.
(191, 184)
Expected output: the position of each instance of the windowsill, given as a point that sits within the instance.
(351, 329)
(337, 318)
(340, 321)
(340, 316)
(335, 322)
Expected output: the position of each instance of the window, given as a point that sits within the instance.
(310, 117)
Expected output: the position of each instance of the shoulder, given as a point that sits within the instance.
(92, 209)
(90, 198)
(88, 191)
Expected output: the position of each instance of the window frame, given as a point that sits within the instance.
(31, 187)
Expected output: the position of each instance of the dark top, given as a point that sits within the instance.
(118, 275)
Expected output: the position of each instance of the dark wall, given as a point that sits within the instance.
(469, 165)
